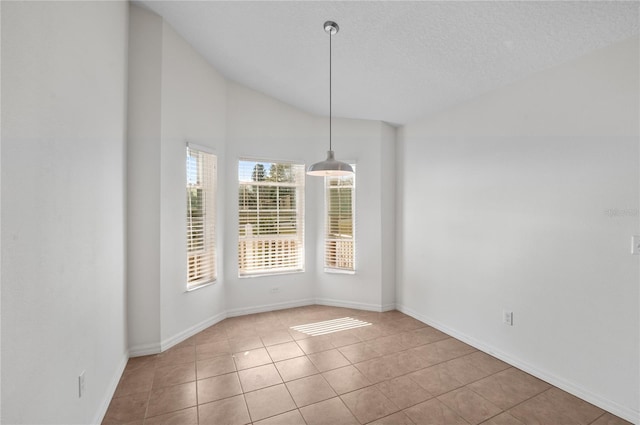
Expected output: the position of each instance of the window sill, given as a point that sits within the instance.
(201, 285)
(339, 271)
(275, 273)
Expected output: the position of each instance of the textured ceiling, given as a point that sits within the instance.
(393, 61)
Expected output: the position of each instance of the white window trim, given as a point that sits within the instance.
(193, 287)
(301, 191)
(334, 270)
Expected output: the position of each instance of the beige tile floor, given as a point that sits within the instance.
(255, 370)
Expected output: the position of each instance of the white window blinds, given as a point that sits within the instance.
(201, 217)
(339, 245)
(271, 217)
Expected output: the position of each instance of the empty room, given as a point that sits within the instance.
(320, 212)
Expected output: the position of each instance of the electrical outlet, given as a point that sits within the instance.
(81, 387)
(507, 317)
(635, 245)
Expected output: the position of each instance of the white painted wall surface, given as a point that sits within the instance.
(193, 109)
(63, 268)
(363, 142)
(261, 127)
(503, 205)
(174, 97)
(143, 179)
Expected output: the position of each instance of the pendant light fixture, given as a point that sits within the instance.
(330, 166)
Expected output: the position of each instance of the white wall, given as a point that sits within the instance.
(263, 128)
(194, 110)
(63, 133)
(174, 97)
(365, 143)
(503, 205)
(143, 179)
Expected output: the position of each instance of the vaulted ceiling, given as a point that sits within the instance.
(393, 61)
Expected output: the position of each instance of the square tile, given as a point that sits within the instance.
(309, 390)
(340, 339)
(543, 408)
(572, 406)
(127, 409)
(377, 370)
(141, 362)
(210, 335)
(285, 351)
(252, 358)
(427, 335)
(327, 360)
(473, 408)
(398, 418)
(463, 370)
(328, 412)
(218, 387)
(215, 366)
(403, 392)
(368, 404)
(276, 337)
(228, 411)
(436, 380)
(407, 362)
(486, 363)
(207, 351)
(292, 417)
(268, 402)
(433, 412)
(177, 356)
(388, 344)
(296, 368)
(169, 399)
(259, 377)
(609, 419)
(346, 379)
(315, 344)
(135, 381)
(182, 417)
(503, 419)
(177, 374)
(360, 352)
(245, 344)
(507, 388)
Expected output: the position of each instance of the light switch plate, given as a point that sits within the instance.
(635, 245)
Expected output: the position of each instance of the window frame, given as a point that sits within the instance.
(332, 269)
(209, 222)
(300, 187)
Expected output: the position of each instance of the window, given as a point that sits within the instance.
(201, 217)
(271, 217)
(339, 245)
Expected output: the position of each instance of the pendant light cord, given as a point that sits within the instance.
(330, 35)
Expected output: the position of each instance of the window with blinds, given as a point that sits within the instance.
(271, 217)
(201, 216)
(339, 245)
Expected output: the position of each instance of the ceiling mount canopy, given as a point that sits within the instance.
(330, 166)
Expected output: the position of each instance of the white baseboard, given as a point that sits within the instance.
(268, 307)
(188, 333)
(145, 349)
(608, 405)
(349, 304)
(111, 390)
(388, 307)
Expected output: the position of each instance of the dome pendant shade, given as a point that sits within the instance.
(330, 167)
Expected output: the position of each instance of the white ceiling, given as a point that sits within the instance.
(393, 61)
